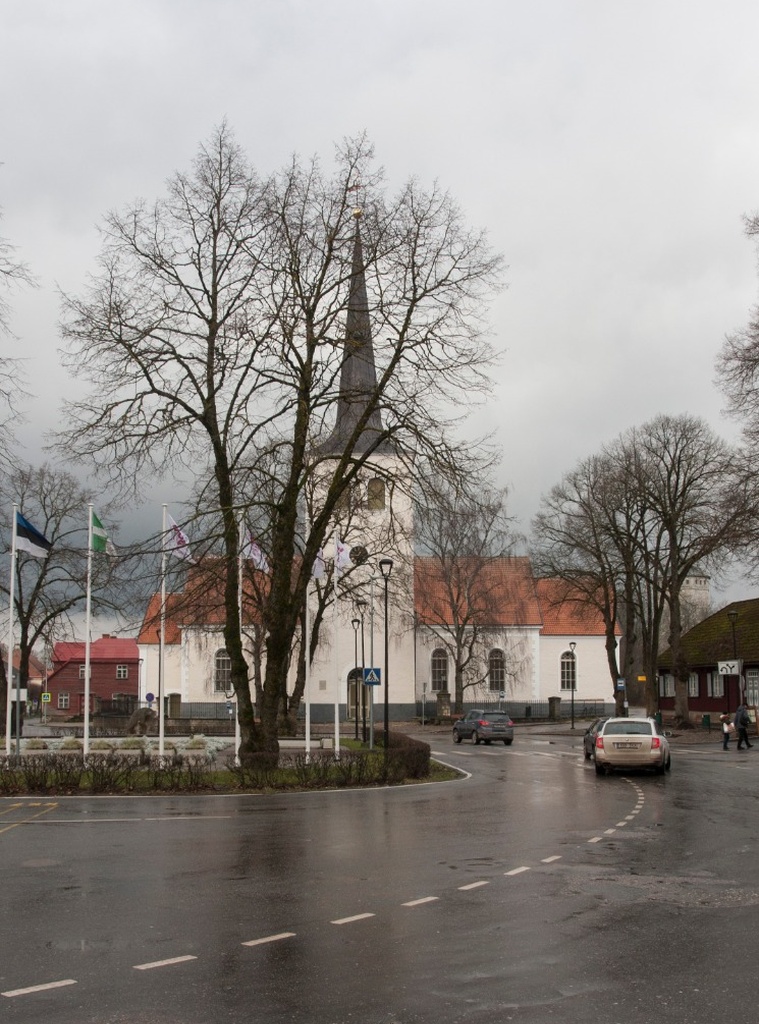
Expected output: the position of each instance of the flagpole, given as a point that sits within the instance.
(11, 591)
(162, 638)
(240, 566)
(337, 663)
(307, 649)
(87, 640)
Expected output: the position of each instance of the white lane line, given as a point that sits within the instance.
(418, 903)
(595, 839)
(350, 920)
(517, 871)
(190, 817)
(621, 824)
(163, 963)
(550, 860)
(610, 831)
(37, 988)
(473, 885)
(269, 938)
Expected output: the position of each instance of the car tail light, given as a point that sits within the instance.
(599, 742)
(509, 722)
(483, 721)
(655, 742)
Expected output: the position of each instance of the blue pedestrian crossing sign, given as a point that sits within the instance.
(372, 677)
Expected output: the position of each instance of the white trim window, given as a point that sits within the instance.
(222, 671)
(122, 671)
(693, 685)
(568, 671)
(715, 684)
(63, 701)
(496, 671)
(666, 685)
(439, 669)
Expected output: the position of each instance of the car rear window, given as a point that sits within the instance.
(496, 716)
(627, 729)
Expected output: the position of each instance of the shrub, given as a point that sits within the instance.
(35, 744)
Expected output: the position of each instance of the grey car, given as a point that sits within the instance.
(484, 726)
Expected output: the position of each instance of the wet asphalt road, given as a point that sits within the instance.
(532, 891)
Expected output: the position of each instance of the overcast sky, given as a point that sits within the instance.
(610, 147)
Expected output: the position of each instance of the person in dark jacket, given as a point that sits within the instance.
(727, 728)
(742, 722)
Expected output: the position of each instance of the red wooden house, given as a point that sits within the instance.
(114, 674)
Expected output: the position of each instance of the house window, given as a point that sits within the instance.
(81, 671)
(222, 672)
(752, 686)
(715, 685)
(568, 671)
(693, 687)
(122, 671)
(666, 685)
(497, 671)
(439, 669)
(63, 701)
(376, 494)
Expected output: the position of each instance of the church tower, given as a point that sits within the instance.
(375, 520)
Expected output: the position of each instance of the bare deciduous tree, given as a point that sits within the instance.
(213, 336)
(49, 591)
(464, 534)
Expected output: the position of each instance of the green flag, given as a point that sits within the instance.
(100, 539)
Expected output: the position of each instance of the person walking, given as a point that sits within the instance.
(742, 722)
(727, 728)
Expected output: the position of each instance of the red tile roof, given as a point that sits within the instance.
(565, 615)
(496, 592)
(107, 648)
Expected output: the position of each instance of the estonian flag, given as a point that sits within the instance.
(29, 539)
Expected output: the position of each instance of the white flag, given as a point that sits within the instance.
(254, 554)
(176, 541)
(318, 570)
(342, 557)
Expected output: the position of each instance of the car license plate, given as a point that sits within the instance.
(499, 728)
(627, 746)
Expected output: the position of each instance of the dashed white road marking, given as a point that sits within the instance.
(37, 988)
(473, 885)
(269, 938)
(550, 860)
(164, 963)
(350, 920)
(595, 839)
(610, 831)
(417, 903)
(517, 871)
(621, 824)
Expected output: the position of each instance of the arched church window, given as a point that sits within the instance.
(568, 671)
(222, 671)
(496, 671)
(376, 494)
(439, 669)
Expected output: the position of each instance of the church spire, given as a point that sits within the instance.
(358, 375)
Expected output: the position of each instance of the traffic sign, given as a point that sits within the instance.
(150, 697)
(372, 676)
(46, 698)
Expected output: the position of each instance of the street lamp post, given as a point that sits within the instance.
(733, 616)
(361, 605)
(573, 681)
(385, 567)
(355, 623)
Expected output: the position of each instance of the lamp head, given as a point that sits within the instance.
(572, 646)
(385, 567)
(355, 623)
